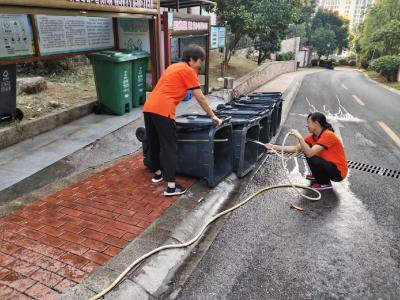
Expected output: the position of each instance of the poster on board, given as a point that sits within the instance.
(221, 37)
(134, 34)
(65, 34)
(16, 37)
(217, 37)
(214, 37)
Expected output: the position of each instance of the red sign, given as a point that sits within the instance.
(184, 25)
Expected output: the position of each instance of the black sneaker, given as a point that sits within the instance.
(178, 190)
(157, 178)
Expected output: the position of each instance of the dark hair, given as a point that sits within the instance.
(321, 119)
(193, 51)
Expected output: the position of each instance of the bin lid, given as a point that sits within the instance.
(111, 56)
(136, 54)
(196, 121)
(238, 112)
(261, 99)
(261, 106)
(240, 121)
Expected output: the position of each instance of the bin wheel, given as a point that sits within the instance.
(141, 134)
(220, 106)
(19, 114)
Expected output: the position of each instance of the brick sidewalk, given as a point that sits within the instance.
(54, 243)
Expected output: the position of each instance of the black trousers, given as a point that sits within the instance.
(161, 138)
(323, 171)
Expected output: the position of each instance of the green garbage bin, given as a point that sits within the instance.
(139, 67)
(113, 76)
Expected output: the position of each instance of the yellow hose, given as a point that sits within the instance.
(216, 217)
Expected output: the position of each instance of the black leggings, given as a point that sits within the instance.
(323, 171)
(161, 138)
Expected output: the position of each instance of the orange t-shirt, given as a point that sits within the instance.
(333, 150)
(171, 89)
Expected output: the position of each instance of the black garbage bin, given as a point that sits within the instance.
(8, 93)
(272, 107)
(141, 136)
(245, 153)
(204, 149)
(264, 122)
(275, 97)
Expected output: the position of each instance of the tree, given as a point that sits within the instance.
(388, 38)
(237, 14)
(306, 13)
(376, 27)
(324, 41)
(332, 21)
(270, 24)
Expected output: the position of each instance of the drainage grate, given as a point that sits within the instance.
(373, 169)
(366, 168)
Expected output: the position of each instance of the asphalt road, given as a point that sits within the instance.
(346, 246)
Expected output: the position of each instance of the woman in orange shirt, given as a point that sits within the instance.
(160, 113)
(323, 149)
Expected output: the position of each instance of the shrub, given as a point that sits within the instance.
(387, 65)
(314, 62)
(327, 64)
(352, 63)
(365, 63)
(284, 56)
(343, 62)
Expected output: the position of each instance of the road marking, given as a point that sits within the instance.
(358, 100)
(345, 87)
(390, 133)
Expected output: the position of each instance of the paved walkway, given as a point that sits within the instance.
(282, 82)
(54, 243)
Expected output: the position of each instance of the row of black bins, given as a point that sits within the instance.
(213, 152)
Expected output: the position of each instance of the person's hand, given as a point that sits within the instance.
(296, 133)
(217, 120)
(268, 146)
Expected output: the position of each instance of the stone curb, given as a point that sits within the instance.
(381, 84)
(28, 129)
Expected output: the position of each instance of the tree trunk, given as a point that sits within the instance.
(231, 47)
(260, 56)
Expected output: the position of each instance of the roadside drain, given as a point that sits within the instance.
(367, 168)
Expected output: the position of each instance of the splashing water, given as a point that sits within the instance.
(341, 115)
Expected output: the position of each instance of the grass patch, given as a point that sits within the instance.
(238, 67)
(66, 90)
(382, 79)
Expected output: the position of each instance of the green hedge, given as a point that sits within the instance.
(387, 65)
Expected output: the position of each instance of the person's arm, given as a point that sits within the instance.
(286, 149)
(308, 151)
(201, 99)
